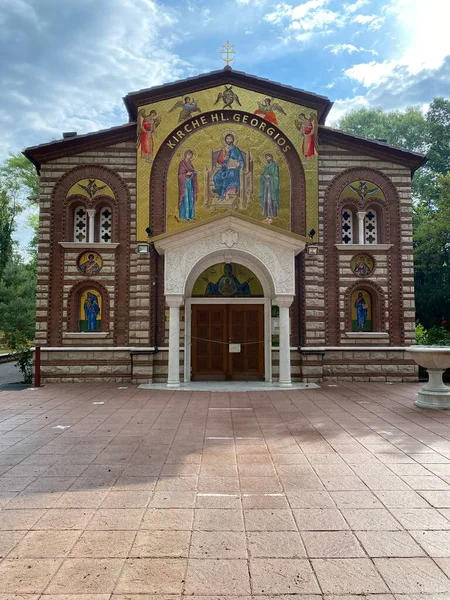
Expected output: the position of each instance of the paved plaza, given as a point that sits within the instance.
(111, 492)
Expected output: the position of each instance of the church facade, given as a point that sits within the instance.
(224, 233)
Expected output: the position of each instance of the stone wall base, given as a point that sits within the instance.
(134, 365)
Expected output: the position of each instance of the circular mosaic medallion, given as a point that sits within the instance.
(89, 263)
(362, 265)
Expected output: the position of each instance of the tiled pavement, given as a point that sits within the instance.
(109, 492)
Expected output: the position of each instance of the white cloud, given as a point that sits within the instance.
(372, 21)
(349, 48)
(368, 74)
(351, 8)
(305, 19)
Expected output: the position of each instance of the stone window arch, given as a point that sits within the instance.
(88, 308)
(369, 297)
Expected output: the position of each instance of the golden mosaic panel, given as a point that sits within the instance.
(157, 121)
(90, 188)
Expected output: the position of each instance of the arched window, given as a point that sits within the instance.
(105, 225)
(80, 224)
(92, 225)
(347, 225)
(370, 227)
(90, 309)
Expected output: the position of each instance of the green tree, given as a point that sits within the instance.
(432, 258)
(21, 175)
(17, 311)
(8, 213)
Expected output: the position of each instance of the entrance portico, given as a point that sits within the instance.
(268, 252)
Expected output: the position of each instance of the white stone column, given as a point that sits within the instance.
(284, 302)
(174, 303)
(361, 216)
(91, 215)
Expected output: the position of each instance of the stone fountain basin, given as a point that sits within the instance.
(431, 357)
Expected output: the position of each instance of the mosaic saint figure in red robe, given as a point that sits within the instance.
(147, 125)
(307, 127)
(267, 108)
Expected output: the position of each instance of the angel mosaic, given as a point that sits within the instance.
(267, 108)
(362, 189)
(188, 106)
(307, 126)
(228, 96)
(146, 129)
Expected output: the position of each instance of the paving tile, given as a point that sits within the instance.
(438, 499)
(426, 483)
(421, 518)
(80, 499)
(218, 544)
(223, 501)
(103, 544)
(282, 576)
(26, 576)
(435, 543)
(277, 500)
(8, 540)
(45, 544)
(86, 576)
(218, 485)
(217, 577)
(64, 518)
(331, 544)
(310, 499)
(355, 499)
(412, 575)
(389, 544)
(210, 519)
(372, 519)
(158, 544)
(168, 519)
(269, 520)
(404, 499)
(170, 499)
(116, 518)
(316, 519)
(275, 544)
(348, 576)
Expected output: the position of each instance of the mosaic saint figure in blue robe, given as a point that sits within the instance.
(231, 162)
(361, 311)
(187, 187)
(91, 310)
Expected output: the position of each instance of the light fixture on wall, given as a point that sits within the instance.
(312, 250)
(142, 248)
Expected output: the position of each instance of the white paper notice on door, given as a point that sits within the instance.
(234, 348)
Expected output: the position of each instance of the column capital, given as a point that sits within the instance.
(91, 212)
(361, 214)
(283, 301)
(174, 301)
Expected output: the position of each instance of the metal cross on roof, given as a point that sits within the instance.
(228, 52)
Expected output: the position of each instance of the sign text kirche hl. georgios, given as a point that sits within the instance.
(223, 116)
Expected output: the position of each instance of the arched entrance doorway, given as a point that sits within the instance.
(226, 333)
(230, 239)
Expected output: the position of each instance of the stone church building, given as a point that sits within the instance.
(224, 233)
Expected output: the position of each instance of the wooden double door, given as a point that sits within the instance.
(227, 342)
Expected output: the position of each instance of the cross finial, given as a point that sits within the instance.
(228, 53)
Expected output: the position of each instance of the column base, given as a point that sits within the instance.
(434, 400)
(285, 384)
(173, 384)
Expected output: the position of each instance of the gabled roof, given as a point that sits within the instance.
(79, 143)
(375, 148)
(230, 77)
(90, 141)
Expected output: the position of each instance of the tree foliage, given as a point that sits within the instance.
(428, 133)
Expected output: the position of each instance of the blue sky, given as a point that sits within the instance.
(66, 64)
